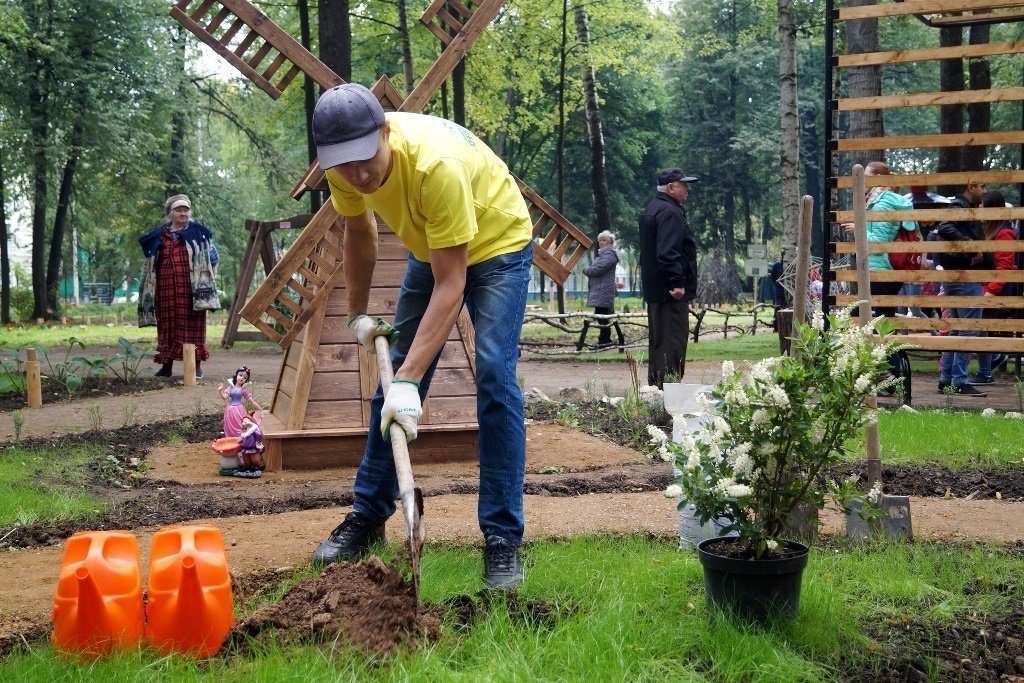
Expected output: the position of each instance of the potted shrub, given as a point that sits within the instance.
(764, 455)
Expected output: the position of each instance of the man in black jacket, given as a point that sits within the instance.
(668, 266)
(953, 367)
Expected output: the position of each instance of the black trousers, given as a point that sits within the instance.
(669, 329)
(604, 327)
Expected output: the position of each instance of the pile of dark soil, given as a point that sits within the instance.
(971, 648)
(367, 605)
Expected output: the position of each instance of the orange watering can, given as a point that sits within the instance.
(190, 608)
(98, 604)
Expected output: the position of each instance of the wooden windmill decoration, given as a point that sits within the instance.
(319, 413)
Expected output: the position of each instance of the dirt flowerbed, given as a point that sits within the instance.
(92, 388)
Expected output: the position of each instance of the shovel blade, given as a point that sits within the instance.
(416, 531)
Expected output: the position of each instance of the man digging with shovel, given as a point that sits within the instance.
(457, 209)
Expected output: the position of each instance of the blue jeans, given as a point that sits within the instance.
(496, 299)
(953, 367)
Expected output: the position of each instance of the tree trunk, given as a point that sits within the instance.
(979, 114)
(60, 220)
(406, 43)
(38, 108)
(789, 152)
(951, 116)
(598, 172)
(309, 96)
(560, 144)
(179, 176)
(5, 257)
(335, 37)
(459, 92)
(864, 81)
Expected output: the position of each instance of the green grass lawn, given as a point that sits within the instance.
(952, 439)
(46, 486)
(631, 609)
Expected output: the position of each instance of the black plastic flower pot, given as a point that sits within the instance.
(756, 590)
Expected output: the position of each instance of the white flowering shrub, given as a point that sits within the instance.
(778, 429)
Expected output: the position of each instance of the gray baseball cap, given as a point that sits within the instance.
(346, 122)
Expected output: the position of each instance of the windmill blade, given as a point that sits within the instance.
(458, 26)
(301, 281)
(252, 43)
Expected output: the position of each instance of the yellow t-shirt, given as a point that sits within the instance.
(446, 188)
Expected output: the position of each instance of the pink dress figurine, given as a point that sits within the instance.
(236, 395)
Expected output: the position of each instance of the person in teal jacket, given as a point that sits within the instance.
(884, 198)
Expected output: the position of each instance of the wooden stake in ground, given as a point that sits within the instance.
(33, 380)
(860, 234)
(803, 257)
(188, 355)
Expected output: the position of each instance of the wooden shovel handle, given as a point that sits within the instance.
(399, 445)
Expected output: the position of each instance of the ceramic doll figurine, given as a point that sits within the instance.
(236, 395)
(250, 457)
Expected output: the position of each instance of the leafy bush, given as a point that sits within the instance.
(126, 365)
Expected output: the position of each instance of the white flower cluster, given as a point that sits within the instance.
(673, 491)
(875, 493)
(728, 370)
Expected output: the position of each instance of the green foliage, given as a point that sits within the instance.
(125, 365)
(12, 373)
(64, 371)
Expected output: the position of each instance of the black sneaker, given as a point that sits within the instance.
(350, 540)
(943, 386)
(969, 390)
(501, 563)
(978, 379)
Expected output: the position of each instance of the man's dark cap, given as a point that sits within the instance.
(675, 175)
(346, 122)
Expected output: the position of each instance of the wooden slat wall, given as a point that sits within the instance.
(909, 7)
(1007, 332)
(345, 375)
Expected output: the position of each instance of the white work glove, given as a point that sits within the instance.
(366, 328)
(401, 405)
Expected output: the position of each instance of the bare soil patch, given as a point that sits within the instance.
(367, 605)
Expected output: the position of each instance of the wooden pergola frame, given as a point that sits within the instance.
(936, 13)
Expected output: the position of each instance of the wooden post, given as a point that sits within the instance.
(33, 380)
(87, 319)
(784, 324)
(188, 354)
(63, 320)
(860, 235)
(803, 258)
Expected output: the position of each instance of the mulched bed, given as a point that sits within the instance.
(93, 387)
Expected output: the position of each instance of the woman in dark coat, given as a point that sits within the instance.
(602, 284)
(180, 265)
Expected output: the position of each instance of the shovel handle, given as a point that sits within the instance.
(399, 445)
